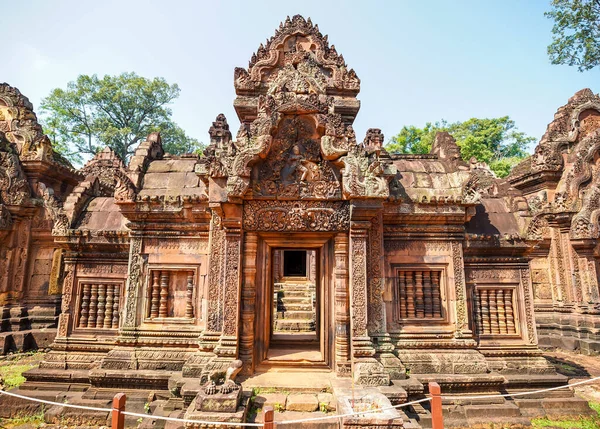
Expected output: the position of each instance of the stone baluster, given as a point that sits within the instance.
(493, 312)
(410, 294)
(501, 311)
(437, 300)
(93, 306)
(508, 307)
(101, 305)
(116, 299)
(427, 294)
(402, 305)
(189, 304)
(485, 311)
(85, 306)
(477, 312)
(419, 303)
(164, 294)
(155, 299)
(108, 310)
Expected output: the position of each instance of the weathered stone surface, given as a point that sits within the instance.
(302, 402)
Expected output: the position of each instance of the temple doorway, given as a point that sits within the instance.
(295, 315)
(293, 328)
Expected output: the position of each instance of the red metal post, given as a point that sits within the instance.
(268, 415)
(118, 418)
(437, 419)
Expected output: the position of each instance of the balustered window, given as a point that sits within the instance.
(99, 305)
(494, 310)
(418, 294)
(170, 294)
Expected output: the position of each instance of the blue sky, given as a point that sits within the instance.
(418, 61)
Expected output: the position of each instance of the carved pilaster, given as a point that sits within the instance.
(249, 301)
(528, 304)
(342, 315)
(228, 345)
(376, 320)
(215, 263)
(134, 283)
(65, 316)
(462, 322)
(21, 258)
(361, 342)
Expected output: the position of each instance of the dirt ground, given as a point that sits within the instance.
(579, 367)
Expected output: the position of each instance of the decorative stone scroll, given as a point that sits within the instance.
(292, 216)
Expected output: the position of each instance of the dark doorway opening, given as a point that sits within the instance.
(294, 263)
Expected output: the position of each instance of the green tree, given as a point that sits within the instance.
(115, 111)
(495, 141)
(575, 33)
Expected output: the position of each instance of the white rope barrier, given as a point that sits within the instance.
(533, 392)
(43, 401)
(284, 422)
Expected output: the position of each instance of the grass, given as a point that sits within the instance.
(11, 370)
(583, 422)
(35, 420)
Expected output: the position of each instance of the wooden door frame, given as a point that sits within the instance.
(323, 243)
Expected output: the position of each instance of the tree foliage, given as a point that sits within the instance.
(495, 141)
(576, 33)
(115, 111)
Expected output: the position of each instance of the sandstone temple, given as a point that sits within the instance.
(298, 248)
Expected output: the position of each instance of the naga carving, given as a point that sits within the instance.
(365, 176)
(14, 189)
(20, 124)
(55, 208)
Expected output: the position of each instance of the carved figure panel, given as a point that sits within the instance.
(294, 168)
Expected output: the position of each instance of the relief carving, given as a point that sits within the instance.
(260, 215)
(134, 281)
(459, 285)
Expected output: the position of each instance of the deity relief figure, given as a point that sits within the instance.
(296, 163)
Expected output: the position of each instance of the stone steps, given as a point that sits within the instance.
(296, 307)
(294, 293)
(294, 315)
(296, 300)
(296, 325)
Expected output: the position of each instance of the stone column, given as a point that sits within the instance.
(249, 302)
(342, 315)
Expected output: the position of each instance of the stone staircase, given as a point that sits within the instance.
(295, 307)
